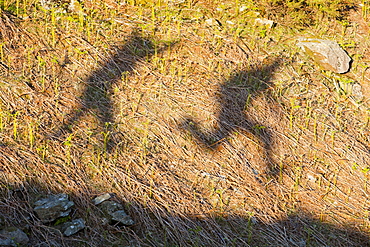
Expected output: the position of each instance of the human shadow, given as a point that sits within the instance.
(235, 96)
(95, 97)
(295, 230)
(165, 229)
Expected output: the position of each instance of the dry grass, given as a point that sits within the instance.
(212, 133)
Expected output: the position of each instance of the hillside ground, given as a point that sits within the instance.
(212, 128)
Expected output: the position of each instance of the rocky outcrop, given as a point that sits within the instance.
(54, 211)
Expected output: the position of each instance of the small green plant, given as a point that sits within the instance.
(250, 227)
(106, 138)
(281, 167)
(31, 134)
(68, 144)
(293, 107)
(53, 26)
(258, 128)
(297, 179)
(1, 121)
(365, 7)
(62, 220)
(15, 124)
(43, 151)
(220, 193)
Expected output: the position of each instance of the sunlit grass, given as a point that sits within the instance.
(299, 152)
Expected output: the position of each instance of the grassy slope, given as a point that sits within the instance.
(219, 133)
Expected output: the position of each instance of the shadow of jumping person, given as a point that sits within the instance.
(95, 98)
(235, 95)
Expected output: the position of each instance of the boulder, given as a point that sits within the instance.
(53, 207)
(326, 53)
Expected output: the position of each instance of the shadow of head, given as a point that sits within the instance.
(235, 96)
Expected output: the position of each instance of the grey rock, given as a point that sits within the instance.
(327, 53)
(53, 207)
(114, 212)
(110, 207)
(122, 217)
(70, 228)
(14, 234)
(99, 199)
(357, 92)
(7, 242)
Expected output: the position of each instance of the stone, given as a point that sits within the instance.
(242, 8)
(326, 53)
(53, 207)
(357, 92)
(114, 212)
(70, 228)
(99, 199)
(17, 237)
(311, 178)
(264, 22)
(110, 207)
(7, 242)
(122, 217)
(212, 22)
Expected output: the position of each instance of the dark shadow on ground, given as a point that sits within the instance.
(298, 230)
(95, 98)
(235, 95)
(160, 227)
